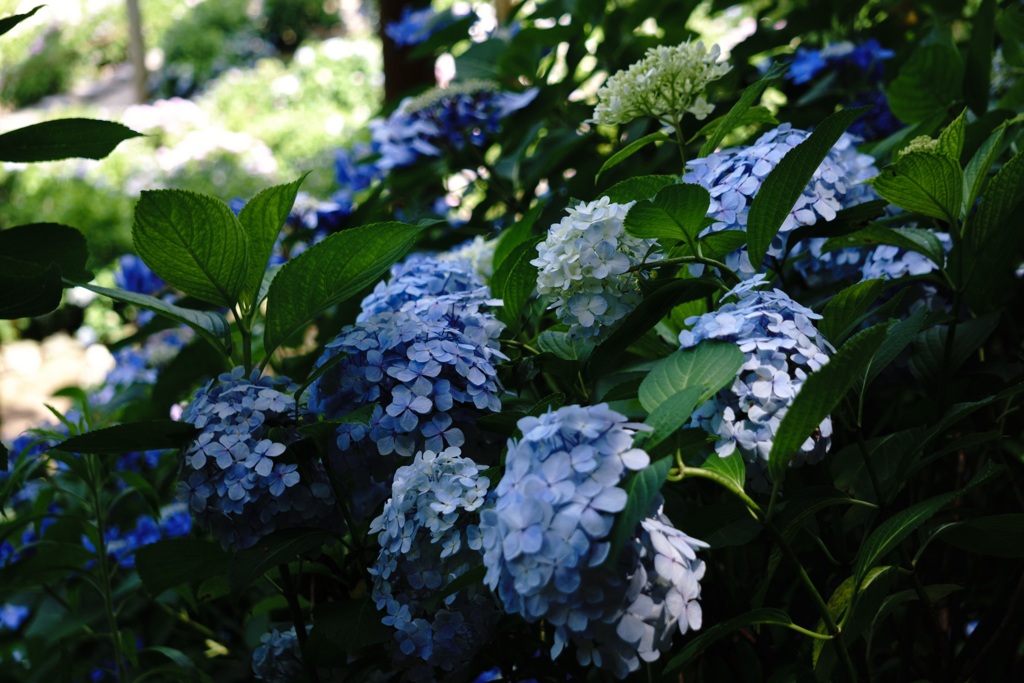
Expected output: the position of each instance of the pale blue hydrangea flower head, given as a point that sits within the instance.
(428, 537)
(584, 267)
(546, 540)
(734, 176)
(421, 276)
(781, 347)
(278, 659)
(666, 84)
(891, 263)
(236, 478)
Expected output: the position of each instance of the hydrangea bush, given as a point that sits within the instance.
(640, 399)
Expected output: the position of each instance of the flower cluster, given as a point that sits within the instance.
(141, 365)
(174, 522)
(734, 176)
(278, 659)
(666, 84)
(781, 347)
(427, 540)
(584, 266)
(235, 476)
(416, 25)
(424, 351)
(546, 541)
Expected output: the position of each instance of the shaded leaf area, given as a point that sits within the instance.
(133, 436)
(172, 562)
(63, 139)
(34, 262)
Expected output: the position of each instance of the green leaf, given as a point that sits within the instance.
(516, 234)
(753, 116)
(978, 74)
(708, 366)
(708, 637)
(175, 561)
(786, 182)
(342, 627)
(62, 139)
(7, 23)
(676, 213)
(194, 242)
(991, 235)
(210, 325)
(561, 345)
(848, 308)
(330, 272)
(150, 435)
(280, 547)
(629, 150)
(911, 239)
(731, 467)
(928, 82)
(262, 218)
(652, 309)
(642, 489)
(514, 282)
(820, 393)
(735, 116)
(326, 428)
(897, 338)
(866, 598)
(4, 456)
(892, 531)
(717, 245)
(924, 182)
(46, 243)
(929, 360)
(29, 289)
(978, 167)
(668, 417)
(638, 188)
(994, 536)
(951, 139)
(846, 221)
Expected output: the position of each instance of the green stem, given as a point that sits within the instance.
(292, 596)
(677, 124)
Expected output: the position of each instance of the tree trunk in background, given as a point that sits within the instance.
(402, 75)
(137, 50)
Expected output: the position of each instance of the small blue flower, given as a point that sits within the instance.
(13, 616)
(278, 659)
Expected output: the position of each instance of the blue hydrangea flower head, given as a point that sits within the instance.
(421, 276)
(891, 263)
(428, 537)
(584, 267)
(235, 476)
(134, 275)
(13, 616)
(415, 26)
(546, 540)
(278, 659)
(781, 347)
(734, 176)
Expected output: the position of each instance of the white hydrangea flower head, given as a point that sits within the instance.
(781, 347)
(478, 252)
(584, 267)
(666, 84)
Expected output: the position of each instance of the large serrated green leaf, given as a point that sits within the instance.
(173, 561)
(262, 218)
(675, 214)
(45, 243)
(977, 168)
(893, 530)
(210, 325)
(735, 116)
(924, 182)
(564, 347)
(330, 272)
(848, 308)
(668, 417)
(63, 139)
(194, 242)
(640, 187)
(150, 435)
(928, 82)
(933, 361)
(708, 366)
(629, 150)
(642, 489)
(990, 235)
(272, 550)
(696, 646)
(820, 393)
(784, 185)
(515, 281)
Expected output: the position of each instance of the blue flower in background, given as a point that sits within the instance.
(428, 539)
(134, 275)
(13, 616)
(175, 522)
(235, 476)
(278, 659)
(416, 25)
(781, 347)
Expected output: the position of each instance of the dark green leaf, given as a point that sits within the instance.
(516, 234)
(787, 181)
(668, 417)
(846, 221)
(897, 338)
(280, 547)
(978, 74)
(991, 235)
(194, 242)
(912, 239)
(717, 245)
(928, 82)
(325, 428)
(930, 359)
(750, 117)
(210, 325)
(135, 436)
(62, 139)
(994, 536)
(330, 272)
(847, 309)
(4, 456)
(343, 627)
(892, 531)
(924, 182)
(561, 345)
(820, 393)
(262, 218)
(642, 489)
(29, 289)
(708, 637)
(629, 150)
(638, 188)
(7, 23)
(675, 213)
(978, 167)
(708, 366)
(865, 601)
(951, 140)
(45, 243)
(514, 282)
(174, 561)
(735, 116)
